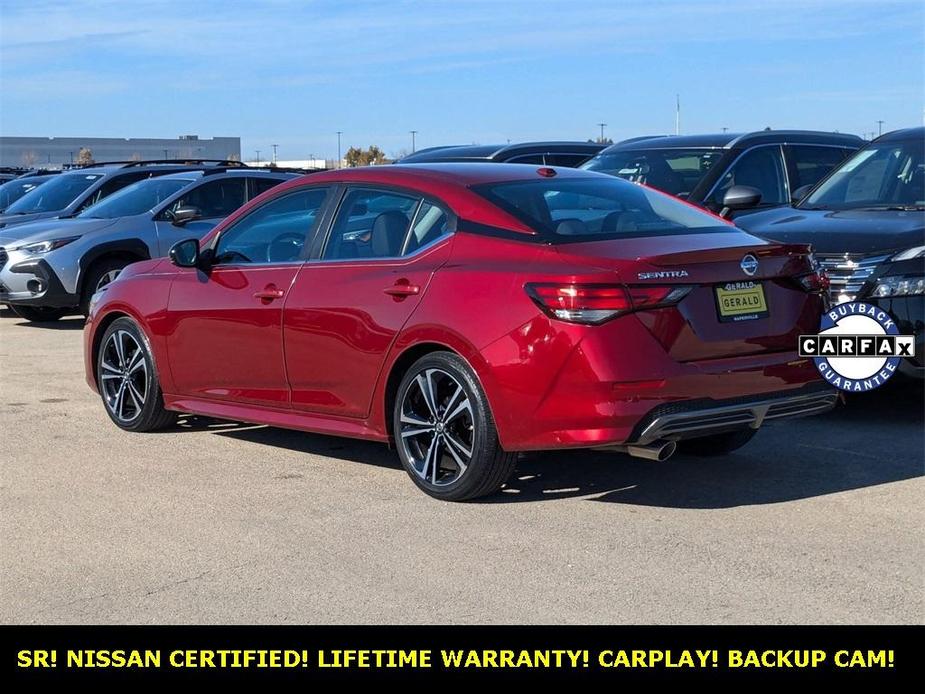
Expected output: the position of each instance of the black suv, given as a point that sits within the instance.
(569, 154)
(866, 224)
(728, 173)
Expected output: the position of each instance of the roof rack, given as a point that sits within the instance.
(272, 169)
(126, 164)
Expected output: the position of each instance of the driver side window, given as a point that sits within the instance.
(276, 232)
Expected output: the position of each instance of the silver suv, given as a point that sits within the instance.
(49, 269)
(74, 190)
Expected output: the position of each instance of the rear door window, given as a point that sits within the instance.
(371, 223)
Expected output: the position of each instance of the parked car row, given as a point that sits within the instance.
(95, 221)
(467, 309)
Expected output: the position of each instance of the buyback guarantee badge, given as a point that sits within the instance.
(858, 347)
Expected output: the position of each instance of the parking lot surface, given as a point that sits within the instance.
(817, 520)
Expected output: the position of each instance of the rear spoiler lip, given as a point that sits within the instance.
(732, 253)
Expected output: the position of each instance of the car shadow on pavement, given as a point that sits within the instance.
(873, 439)
(69, 323)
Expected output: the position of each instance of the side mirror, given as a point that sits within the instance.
(800, 193)
(739, 198)
(185, 253)
(182, 215)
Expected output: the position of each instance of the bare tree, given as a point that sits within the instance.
(135, 156)
(85, 157)
(29, 158)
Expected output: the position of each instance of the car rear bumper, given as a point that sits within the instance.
(696, 418)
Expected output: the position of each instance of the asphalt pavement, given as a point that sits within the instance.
(817, 520)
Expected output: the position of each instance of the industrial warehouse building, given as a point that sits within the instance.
(55, 152)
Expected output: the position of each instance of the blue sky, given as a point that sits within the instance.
(460, 71)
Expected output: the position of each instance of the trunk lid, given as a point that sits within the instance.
(696, 329)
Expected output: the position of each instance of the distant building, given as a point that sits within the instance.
(54, 152)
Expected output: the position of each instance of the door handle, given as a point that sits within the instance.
(401, 289)
(269, 293)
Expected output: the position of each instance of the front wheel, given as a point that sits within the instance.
(127, 379)
(39, 314)
(445, 433)
(717, 444)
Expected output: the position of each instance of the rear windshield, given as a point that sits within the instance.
(598, 208)
(675, 171)
(55, 195)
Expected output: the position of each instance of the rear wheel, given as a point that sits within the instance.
(100, 274)
(445, 433)
(39, 314)
(127, 379)
(718, 444)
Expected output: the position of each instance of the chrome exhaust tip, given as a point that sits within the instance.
(659, 451)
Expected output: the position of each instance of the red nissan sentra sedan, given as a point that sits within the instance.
(465, 312)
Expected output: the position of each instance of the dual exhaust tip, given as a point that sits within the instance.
(658, 451)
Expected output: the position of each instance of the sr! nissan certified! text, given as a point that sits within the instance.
(463, 313)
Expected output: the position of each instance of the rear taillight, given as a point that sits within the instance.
(596, 303)
(816, 281)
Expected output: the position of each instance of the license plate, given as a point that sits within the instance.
(740, 301)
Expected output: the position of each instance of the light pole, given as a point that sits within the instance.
(879, 128)
(725, 129)
(258, 156)
(274, 153)
(413, 133)
(165, 153)
(603, 125)
(339, 133)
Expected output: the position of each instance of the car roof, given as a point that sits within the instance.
(463, 174)
(489, 152)
(906, 134)
(729, 140)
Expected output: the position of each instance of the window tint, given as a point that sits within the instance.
(370, 224)
(528, 159)
(111, 186)
(881, 175)
(275, 232)
(586, 209)
(11, 191)
(218, 198)
(430, 224)
(136, 198)
(811, 164)
(761, 168)
(675, 171)
(57, 194)
(262, 185)
(570, 160)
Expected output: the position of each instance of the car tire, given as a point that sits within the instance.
(718, 444)
(444, 431)
(127, 379)
(39, 314)
(99, 275)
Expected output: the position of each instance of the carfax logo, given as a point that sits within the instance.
(858, 347)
